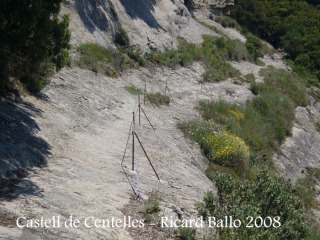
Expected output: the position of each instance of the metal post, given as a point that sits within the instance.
(150, 101)
(145, 91)
(147, 156)
(139, 107)
(133, 134)
(165, 90)
(148, 119)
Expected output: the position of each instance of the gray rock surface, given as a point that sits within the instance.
(84, 118)
(303, 148)
(72, 136)
(146, 22)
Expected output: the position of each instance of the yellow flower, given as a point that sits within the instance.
(227, 149)
(237, 114)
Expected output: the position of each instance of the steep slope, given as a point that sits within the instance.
(85, 119)
(146, 22)
(81, 122)
(152, 22)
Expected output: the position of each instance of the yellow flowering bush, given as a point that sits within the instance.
(217, 144)
(227, 149)
(237, 114)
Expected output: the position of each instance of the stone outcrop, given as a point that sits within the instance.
(146, 22)
(301, 150)
(149, 22)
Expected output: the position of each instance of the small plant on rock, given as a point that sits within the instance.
(133, 89)
(151, 207)
(159, 99)
(185, 233)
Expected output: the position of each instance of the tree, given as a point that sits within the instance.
(272, 204)
(254, 47)
(291, 25)
(34, 41)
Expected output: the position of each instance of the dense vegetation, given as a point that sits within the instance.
(134, 90)
(239, 141)
(275, 209)
(158, 98)
(213, 53)
(262, 123)
(109, 61)
(291, 25)
(33, 42)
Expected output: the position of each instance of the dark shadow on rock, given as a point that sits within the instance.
(20, 148)
(43, 97)
(141, 9)
(18, 184)
(93, 14)
(189, 5)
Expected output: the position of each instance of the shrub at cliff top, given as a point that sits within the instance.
(34, 42)
(271, 202)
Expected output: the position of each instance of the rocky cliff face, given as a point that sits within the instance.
(146, 22)
(302, 149)
(149, 22)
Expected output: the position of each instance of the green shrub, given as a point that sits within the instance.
(262, 123)
(266, 49)
(34, 43)
(250, 77)
(262, 197)
(122, 38)
(214, 168)
(40, 78)
(314, 229)
(184, 55)
(289, 83)
(135, 53)
(197, 130)
(184, 233)
(133, 89)
(254, 47)
(314, 172)
(151, 206)
(158, 99)
(315, 93)
(226, 21)
(108, 62)
(278, 110)
(220, 72)
(289, 25)
(235, 50)
(91, 53)
(167, 58)
(218, 145)
(95, 57)
(227, 149)
(213, 52)
(306, 188)
(224, 49)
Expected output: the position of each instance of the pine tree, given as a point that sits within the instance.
(34, 41)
